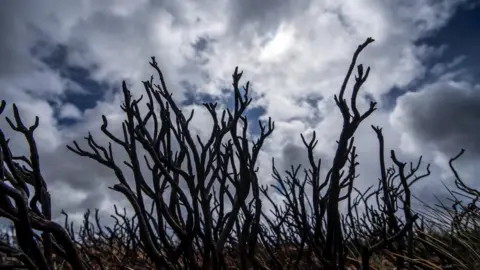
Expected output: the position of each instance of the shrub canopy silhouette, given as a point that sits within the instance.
(200, 203)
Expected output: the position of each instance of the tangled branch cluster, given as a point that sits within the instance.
(200, 204)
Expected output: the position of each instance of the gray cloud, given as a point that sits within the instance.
(13, 30)
(290, 50)
(445, 114)
(264, 16)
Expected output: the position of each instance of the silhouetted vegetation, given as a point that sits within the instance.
(201, 205)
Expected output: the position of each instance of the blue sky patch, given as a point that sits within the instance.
(91, 91)
(461, 35)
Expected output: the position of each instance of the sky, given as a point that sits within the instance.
(64, 61)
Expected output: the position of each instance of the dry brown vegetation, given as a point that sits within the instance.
(199, 205)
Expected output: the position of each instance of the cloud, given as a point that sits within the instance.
(439, 120)
(69, 110)
(295, 53)
(444, 115)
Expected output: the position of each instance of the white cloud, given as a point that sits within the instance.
(69, 110)
(279, 45)
(288, 50)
